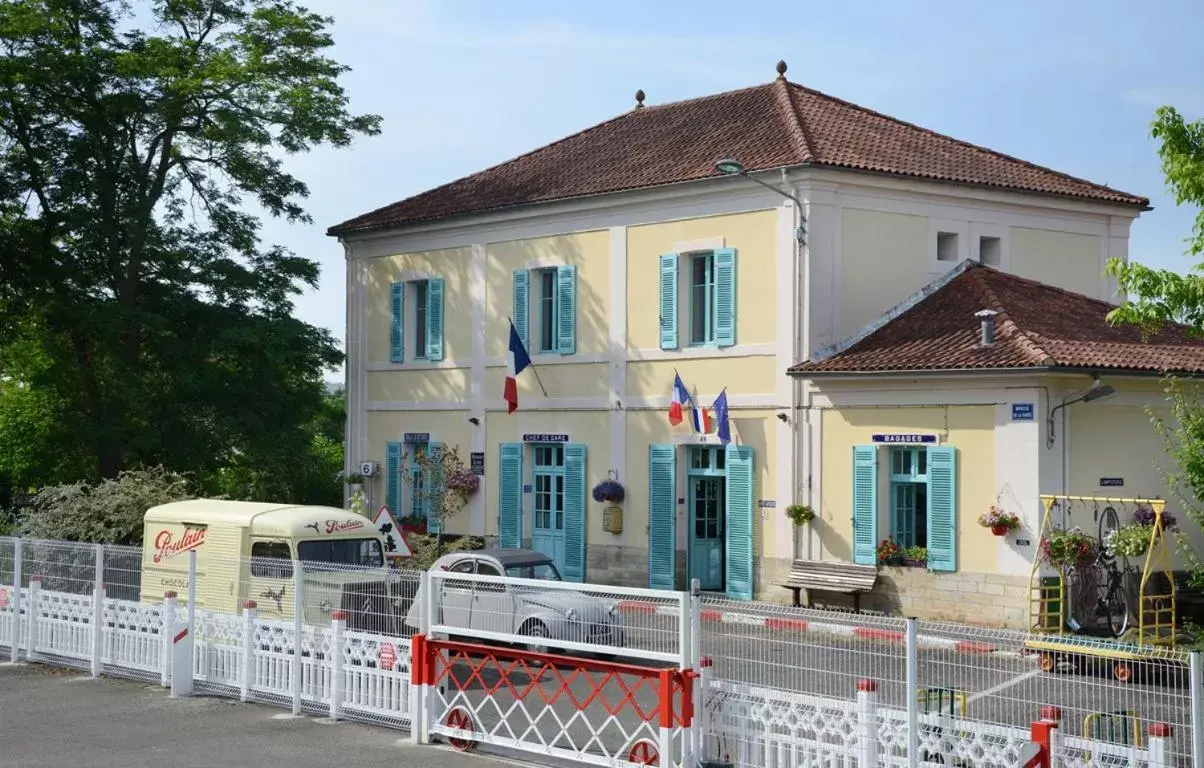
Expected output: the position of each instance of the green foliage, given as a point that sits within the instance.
(142, 320)
(1158, 296)
(443, 499)
(107, 512)
(916, 554)
(428, 549)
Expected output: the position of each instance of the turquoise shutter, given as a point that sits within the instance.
(739, 522)
(725, 297)
(510, 496)
(566, 310)
(662, 516)
(865, 504)
(397, 309)
(574, 512)
(668, 312)
(434, 486)
(942, 509)
(522, 309)
(434, 318)
(393, 478)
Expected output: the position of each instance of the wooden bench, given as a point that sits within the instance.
(846, 578)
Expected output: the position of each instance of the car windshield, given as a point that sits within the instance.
(545, 571)
(362, 552)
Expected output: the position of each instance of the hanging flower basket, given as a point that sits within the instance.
(462, 481)
(1145, 516)
(1069, 549)
(800, 514)
(609, 491)
(998, 521)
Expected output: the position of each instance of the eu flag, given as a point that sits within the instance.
(725, 430)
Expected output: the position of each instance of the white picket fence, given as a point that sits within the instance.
(238, 655)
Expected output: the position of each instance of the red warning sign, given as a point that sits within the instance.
(387, 656)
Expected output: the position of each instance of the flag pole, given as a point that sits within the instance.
(530, 363)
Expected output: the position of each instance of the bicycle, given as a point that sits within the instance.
(1112, 600)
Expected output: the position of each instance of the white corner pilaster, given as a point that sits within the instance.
(476, 385)
(617, 365)
(789, 306)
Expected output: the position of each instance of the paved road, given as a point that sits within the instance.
(54, 717)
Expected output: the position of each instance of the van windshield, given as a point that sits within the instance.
(363, 552)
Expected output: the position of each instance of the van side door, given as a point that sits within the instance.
(271, 577)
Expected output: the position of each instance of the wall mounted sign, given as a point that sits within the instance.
(416, 437)
(544, 437)
(1111, 482)
(1023, 542)
(527, 488)
(906, 438)
(476, 461)
(1022, 412)
(767, 503)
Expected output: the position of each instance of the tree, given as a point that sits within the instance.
(441, 486)
(142, 320)
(1159, 296)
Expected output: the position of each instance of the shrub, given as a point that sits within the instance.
(109, 512)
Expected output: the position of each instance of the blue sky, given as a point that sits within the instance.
(464, 85)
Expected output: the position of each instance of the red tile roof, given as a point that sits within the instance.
(767, 126)
(1037, 326)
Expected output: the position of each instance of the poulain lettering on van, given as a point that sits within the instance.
(167, 546)
(334, 526)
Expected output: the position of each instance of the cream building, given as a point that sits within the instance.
(625, 254)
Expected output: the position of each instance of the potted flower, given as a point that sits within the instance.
(355, 482)
(998, 521)
(609, 491)
(915, 557)
(889, 553)
(800, 514)
(1068, 549)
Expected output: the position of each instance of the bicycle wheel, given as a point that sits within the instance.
(1109, 522)
(1116, 608)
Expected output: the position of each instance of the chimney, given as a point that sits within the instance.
(988, 326)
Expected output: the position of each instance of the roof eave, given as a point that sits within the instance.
(1051, 368)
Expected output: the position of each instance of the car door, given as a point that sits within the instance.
(492, 604)
(271, 578)
(456, 596)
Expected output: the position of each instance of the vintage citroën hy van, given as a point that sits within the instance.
(247, 551)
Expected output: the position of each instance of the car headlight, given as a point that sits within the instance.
(612, 610)
(570, 614)
(325, 606)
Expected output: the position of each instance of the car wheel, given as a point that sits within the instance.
(536, 631)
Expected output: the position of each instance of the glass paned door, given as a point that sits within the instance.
(547, 514)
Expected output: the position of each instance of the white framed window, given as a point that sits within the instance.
(416, 320)
(698, 298)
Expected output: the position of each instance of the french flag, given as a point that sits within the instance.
(516, 361)
(681, 396)
(702, 424)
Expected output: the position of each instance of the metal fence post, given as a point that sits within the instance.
(913, 704)
(338, 623)
(35, 589)
(1197, 709)
(248, 649)
(168, 633)
(695, 663)
(867, 722)
(298, 606)
(98, 612)
(15, 648)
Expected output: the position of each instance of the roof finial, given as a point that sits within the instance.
(639, 99)
(781, 69)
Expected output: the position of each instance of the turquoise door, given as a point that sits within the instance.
(707, 532)
(708, 511)
(547, 511)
